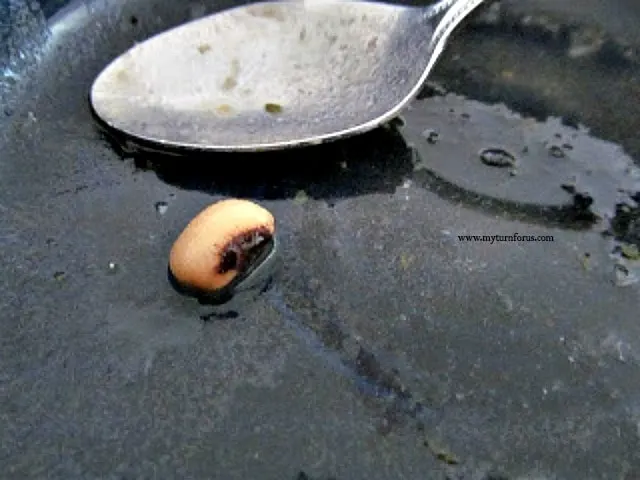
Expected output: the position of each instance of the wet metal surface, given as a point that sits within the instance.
(389, 346)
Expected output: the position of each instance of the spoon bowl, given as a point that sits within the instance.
(274, 75)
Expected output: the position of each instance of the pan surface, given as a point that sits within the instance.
(389, 346)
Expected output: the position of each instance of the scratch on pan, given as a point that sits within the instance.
(365, 383)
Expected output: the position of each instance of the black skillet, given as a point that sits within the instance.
(387, 347)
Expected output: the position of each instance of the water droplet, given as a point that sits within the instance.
(584, 42)
(497, 157)
(162, 207)
(506, 300)
(586, 261)
(556, 151)
(431, 136)
(630, 251)
(623, 277)
(301, 197)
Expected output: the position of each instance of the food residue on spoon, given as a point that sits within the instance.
(231, 80)
(204, 48)
(224, 109)
(272, 108)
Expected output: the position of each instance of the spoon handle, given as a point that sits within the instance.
(454, 12)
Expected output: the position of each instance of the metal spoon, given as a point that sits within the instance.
(275, 74)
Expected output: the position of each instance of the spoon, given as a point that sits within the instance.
(275, 74)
